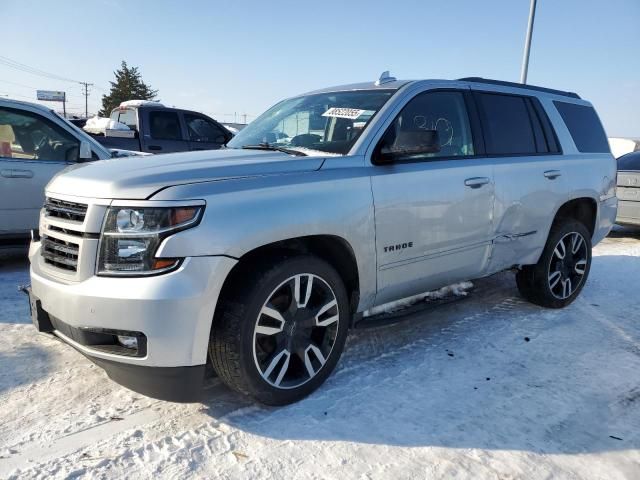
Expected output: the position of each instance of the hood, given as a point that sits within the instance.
(139, 177)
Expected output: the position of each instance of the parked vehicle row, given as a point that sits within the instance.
(154, 128)
(260, 256)
(629, 189)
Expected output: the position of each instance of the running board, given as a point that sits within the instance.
(406, 313)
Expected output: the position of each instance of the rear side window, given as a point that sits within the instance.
(507, 124)
(630, 161)
(127, 116)
(584, 126)
(165, 126)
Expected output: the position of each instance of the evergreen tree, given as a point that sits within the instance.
(128, 86)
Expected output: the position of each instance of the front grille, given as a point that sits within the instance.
(59, 253)
(66, 231)
(65, 210)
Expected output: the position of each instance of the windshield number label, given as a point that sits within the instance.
(350, 113)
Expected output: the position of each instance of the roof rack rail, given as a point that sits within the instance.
(519, 85)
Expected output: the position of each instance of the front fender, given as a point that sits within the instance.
(247, 213)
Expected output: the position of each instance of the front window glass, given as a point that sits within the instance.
(324, 122)
(202, 130)
(27, 136)
(442, 113)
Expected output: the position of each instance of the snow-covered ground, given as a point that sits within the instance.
(485, 387)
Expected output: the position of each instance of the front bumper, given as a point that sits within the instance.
(174, 311)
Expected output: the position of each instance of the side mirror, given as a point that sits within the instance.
(409, 143)
(85, 150)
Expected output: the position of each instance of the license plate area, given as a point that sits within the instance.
(39, 317)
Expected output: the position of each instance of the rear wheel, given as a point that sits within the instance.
(560, 274)
(281, 337)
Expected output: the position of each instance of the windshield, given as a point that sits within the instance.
(324, 122)
(95, 146)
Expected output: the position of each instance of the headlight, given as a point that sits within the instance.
(131, 236)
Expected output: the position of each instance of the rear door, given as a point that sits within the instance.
(528, 169)
(32, 150)
(164, 132)
(433, 211)
(204, 133)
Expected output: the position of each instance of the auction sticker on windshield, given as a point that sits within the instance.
(351, 113)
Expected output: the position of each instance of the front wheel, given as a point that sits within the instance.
(278, 336)
(560, 274)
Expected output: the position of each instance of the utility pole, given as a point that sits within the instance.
(85, 92)
(527, 43)
(64, 104)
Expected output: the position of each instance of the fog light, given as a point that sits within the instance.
(128, 342)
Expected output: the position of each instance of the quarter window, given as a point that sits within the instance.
(443, 113)
(584, 126)
(27, 136)
(165, 126)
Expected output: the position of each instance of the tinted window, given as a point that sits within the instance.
(585, 127)
(507, 125)
(29, 136)
(630, 161)
(165, 126)
(202, 130)
(441, 112)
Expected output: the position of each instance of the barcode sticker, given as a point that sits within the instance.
(351, 113)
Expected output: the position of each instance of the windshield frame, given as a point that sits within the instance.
(268, 115)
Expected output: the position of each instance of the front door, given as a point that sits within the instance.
(433, 211)
(32, 151)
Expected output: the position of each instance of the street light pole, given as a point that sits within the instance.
(527, 44)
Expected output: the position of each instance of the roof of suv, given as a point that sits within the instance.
(393, 84)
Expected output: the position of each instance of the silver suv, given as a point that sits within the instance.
(262, 255)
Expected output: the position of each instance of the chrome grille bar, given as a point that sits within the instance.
(65, 210)
(59, 253)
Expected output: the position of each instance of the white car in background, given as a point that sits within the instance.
(35, 144)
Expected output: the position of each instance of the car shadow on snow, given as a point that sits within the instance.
(23, 364)
(490, 372)
(14, 306)
(626, 231)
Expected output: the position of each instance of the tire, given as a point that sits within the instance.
(555, 281)
(279, 335)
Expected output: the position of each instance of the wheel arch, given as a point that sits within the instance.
(582, 209)
(333, 249)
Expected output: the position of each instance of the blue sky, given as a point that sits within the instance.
(242, 56)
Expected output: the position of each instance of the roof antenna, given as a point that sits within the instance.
(385, 77)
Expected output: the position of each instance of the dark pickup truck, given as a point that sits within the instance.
(154, 128)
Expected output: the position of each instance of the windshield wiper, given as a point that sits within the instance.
(275, 148)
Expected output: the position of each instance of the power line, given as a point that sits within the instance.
(17, 84)
(32, 70)
(8, 62)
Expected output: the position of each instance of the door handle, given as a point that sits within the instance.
(552, 174)
(476, 182)
(17, 173)
(154, 147)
